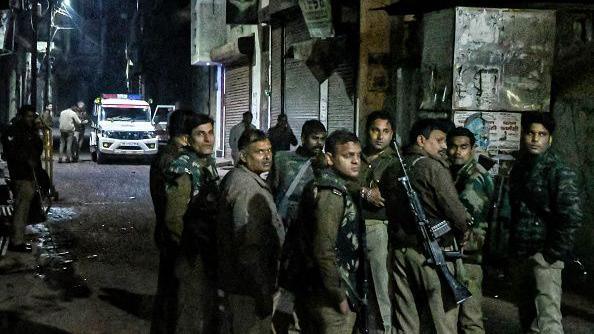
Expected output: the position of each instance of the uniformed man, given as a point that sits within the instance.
(475, 187)
(420, 303)
(290, 172)
(377, 156)
(546, 212)
(190, 216)
(165, 304)
(250, 235)
(329, 242)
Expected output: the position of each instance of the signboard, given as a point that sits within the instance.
(495, 132)
(318, 17)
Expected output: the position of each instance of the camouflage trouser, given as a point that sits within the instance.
(317, 315)
(377, 244)
(419, 305)
(245, 318)
(471, 311)
(537, 289)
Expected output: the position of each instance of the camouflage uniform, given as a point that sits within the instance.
(475, 186)
(546, 212)
(376, 228)
(328, 259)
(191, 189)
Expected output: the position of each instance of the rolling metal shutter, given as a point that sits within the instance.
(237, 98)
(302, 89)
(276, 75)
(341, 109)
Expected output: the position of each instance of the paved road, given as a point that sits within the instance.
(103, 223)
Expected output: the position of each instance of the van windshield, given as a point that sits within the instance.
(126, 114)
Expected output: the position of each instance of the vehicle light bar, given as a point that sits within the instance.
(122, 96)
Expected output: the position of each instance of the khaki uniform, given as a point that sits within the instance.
(376, 227)
(420, 304)
(476, 188)
(327, 262)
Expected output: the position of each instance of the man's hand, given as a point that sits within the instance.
(373, 196)
(343, 307)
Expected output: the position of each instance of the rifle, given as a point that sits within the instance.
(364, 314)
(430, 233)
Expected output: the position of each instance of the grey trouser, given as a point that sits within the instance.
(471, 311)
(419, 304)
(377, 245)
(245, 318)
(24, 193)
(318, 315)
(537, 289)
(66, 138)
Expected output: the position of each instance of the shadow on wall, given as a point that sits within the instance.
(13, 322)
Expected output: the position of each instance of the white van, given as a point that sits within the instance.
(122, 127)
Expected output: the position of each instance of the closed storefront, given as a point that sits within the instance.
(276, 63)
(302, 89)
(236, 98)
(341, 107)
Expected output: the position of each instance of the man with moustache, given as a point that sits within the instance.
(475, 188)
(191, 193)
(329, 239)
(250, 235)
(290, 172)
(377, 156)
(546, 212)
(419, 295)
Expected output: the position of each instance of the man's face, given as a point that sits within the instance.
(460, 151)
(346, 159)
(49, 107)
(257, 156)
(202, 139)
(380, 134)
(537, 139)
(29, 118)
(80, 105)
(314, 142)
(247, 119)
(435, 146)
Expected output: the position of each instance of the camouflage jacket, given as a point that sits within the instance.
(190, 198)
(370, 176)
(475, 186)
(545, 206)
(285, 168)
(329, 240)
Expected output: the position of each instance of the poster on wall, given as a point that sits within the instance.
(495, 132)
(242, 11)
(318, 17)
(503, 59)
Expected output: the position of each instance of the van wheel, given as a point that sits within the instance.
(100, 158)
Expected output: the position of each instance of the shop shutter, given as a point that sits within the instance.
(341, 107)
(302, 89)
(276, 74)
(237, 99)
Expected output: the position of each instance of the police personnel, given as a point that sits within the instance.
(475, 187)
(376, 158)
(546, 212)
(328, 256)
(419, 295)
(250, 235)
(191, 193)
(290, 172)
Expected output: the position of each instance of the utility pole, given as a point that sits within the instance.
(35, 9)
(47, 53)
